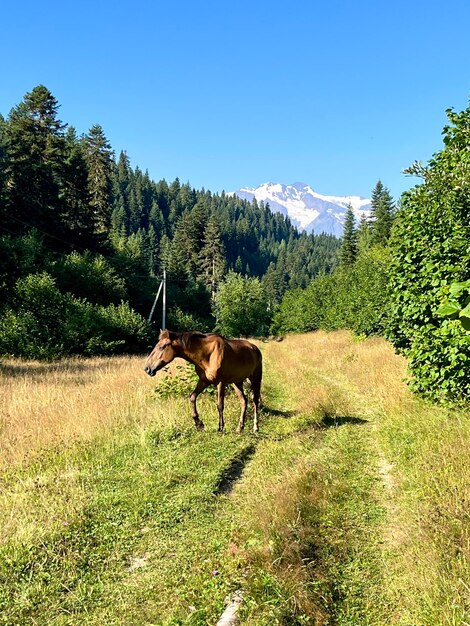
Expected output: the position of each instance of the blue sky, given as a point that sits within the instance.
(336, 94)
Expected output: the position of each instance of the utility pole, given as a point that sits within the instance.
(155, 301)
(162, 286)
(164, 300)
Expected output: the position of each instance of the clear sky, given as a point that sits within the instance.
(336, 94)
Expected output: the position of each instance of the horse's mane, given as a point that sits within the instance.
(186, 338)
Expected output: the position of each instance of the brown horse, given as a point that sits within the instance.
(218, 361)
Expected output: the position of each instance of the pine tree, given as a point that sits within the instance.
(364, 234)
(348, 252)
(181, 261)
(212, 257)
(99, 156)
(156, 219)
(34, 143)
(76, 214)
(3, 160)
(383, 210)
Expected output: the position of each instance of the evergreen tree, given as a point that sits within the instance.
(212, 257)
(364, 234)
(156, 219)
(3, 158)
(34, 142)
(273, 285)
(382, 213)
(76, 215)
(348, 252)
(181, 260)
(99, 157)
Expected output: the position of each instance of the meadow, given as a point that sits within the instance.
(349, 508)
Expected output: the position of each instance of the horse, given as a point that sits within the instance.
(218, 361)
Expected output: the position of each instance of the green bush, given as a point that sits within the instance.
(89, 276)
(356, 298)
(44, 323)
(241, 307)
(19, 256)
(180, 384)
(431, 249)
(182, 321)
(120, 323)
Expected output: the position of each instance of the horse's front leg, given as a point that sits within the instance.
(220, 405)
(199, 387)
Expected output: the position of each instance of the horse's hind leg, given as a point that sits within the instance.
(220, 405)
(199, 387)
(242, 397)
(256, 390)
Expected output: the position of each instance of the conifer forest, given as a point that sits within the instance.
(85, 236)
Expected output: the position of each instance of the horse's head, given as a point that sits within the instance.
(163, 353)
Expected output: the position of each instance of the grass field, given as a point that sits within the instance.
(351, 507)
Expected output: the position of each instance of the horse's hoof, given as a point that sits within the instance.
(239, 431)
(200, 426)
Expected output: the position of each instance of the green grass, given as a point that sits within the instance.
(349, 508)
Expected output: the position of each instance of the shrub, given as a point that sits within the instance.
(44, 323)
(356, 297)
(181, 384)
(241, 306)
(35, 327)
(182, 321)
(18, 257)
(431, 248)
(89, 276)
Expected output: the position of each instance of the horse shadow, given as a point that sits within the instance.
(234, 471)
(335, 421)
(278, 413)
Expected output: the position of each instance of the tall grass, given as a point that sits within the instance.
(350, 507)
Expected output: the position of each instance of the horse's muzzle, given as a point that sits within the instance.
(151, 371)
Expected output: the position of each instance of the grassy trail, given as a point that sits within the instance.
(350, 508)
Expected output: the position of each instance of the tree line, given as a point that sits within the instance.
(406, 274)
(84, 237)
(85, 230)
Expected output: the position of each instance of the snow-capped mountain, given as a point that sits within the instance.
(307, 209)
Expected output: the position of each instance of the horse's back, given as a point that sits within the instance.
(233, 360)
(241, 359)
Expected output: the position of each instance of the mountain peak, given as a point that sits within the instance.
(307, 209)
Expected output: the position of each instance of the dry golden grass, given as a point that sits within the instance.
(54, 404)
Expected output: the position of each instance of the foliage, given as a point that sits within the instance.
(89, 276)
(104, 230)
(241, 307)
(46, 324)
(354, 297)
(36, 326)
(181, 383)
(430, 245)
(383, 210)
(348, 251)
(19, 256)
(457, 303)
(182, 321)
